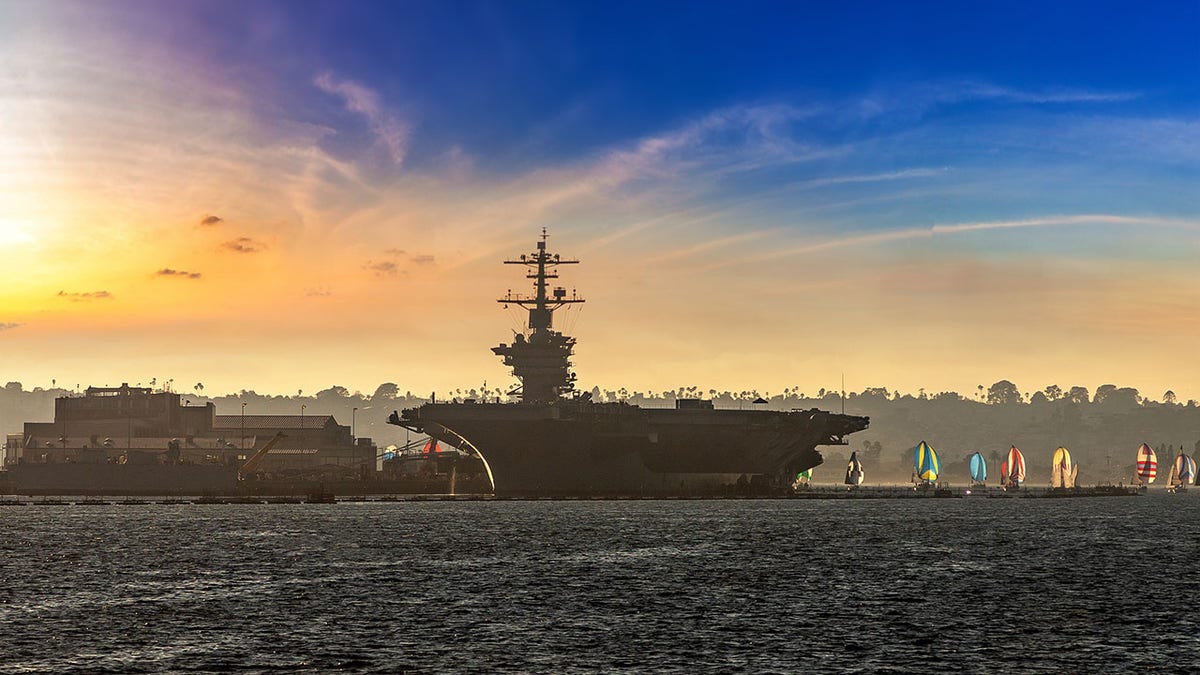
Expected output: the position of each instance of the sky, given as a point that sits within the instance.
(285, 196)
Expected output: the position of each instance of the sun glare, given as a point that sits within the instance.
(11, 233)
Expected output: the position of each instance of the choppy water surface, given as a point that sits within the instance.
(1079, 585)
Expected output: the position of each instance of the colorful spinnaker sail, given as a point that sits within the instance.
(926, 462)
(854, 470)
(1013, 468)
(803, 478)
(1185, 469)
(1147, 463)
(1060, 469)
(978, 468)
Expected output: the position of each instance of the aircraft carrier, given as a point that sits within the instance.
(555, 442)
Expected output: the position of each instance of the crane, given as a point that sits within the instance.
(252, 463)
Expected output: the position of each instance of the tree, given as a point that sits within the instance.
(1103, 392)
(1120, 397)
(1169, 397)
(386, 391)
(336, 391)
(1078, 395)
(1004, 393)
(1053, 392)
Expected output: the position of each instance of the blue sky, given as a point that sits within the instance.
(498, 78)
(983, 174)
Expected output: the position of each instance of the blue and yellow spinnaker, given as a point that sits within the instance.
(926, 462)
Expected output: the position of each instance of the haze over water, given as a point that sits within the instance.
(977, 585)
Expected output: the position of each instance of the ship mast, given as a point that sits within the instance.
(541, 360)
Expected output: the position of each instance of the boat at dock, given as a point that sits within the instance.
(555, 442)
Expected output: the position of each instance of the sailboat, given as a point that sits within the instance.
(927, 464)
(854, 471)
(1147, 466)
(1012, 470)
(1062, 469)
(978, 469)
(1183, 473)
(803, 480)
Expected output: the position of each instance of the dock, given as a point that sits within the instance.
(813, 493)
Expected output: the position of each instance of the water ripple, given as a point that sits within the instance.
(1097, 585)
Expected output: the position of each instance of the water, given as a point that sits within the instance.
(974, 585)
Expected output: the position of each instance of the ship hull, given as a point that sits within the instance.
(573, 448)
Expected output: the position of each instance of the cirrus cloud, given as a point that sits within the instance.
(358, 98)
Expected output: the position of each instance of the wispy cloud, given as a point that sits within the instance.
(900, 101)
(209, 221)
(713, 244)
(358, 98)
(181, 274)
(870, 178)
(9, 326)
(874, 238)
(244, 245)
(982, 90)
(83, 297)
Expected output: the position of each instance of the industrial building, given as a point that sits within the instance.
(139, 426)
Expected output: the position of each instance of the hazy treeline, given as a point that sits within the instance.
(1101, 428)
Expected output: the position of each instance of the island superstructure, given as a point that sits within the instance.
(554, 442)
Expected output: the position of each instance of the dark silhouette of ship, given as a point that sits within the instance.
(555, 442)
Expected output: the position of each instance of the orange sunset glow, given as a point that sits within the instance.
(177, 209)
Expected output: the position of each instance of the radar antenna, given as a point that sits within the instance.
(541, 359)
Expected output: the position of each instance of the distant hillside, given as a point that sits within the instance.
(1102, 431)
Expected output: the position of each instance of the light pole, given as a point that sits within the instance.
(353, 438)
(302, 407)
(243, 426)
